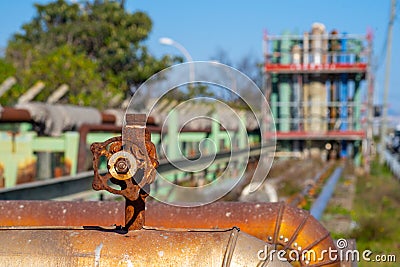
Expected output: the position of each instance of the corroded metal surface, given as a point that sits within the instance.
(275, 223)
(61, 213)
(9, 114)
(149, 247)
(131, 161)
(287, 227)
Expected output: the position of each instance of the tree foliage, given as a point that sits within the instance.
(6, 71)
(62, 66)
(95, 47)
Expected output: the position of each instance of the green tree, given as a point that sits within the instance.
(6, 71)
(100, 31)
(62, 66)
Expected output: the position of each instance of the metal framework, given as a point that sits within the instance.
(314, 85)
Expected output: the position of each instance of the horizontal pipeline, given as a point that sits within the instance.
(275, 223)
(319, 205)
(146, 247)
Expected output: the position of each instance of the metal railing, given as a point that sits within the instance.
(317, 57)
(59, 188)
(392, 161)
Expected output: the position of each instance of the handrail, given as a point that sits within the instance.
(68, 185)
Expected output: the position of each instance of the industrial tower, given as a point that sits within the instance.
(315, 85)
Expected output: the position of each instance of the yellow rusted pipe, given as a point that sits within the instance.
(147, 247)
(266, 221)
(281, 225)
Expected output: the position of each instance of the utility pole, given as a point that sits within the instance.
(387, 78)
(367, 143)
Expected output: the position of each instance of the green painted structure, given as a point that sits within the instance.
(303, 82)
(284, 85)
(20, 147)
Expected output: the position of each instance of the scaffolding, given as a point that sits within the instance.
(314, 85)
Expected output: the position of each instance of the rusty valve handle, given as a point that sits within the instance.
(125, 156)
(109, 149)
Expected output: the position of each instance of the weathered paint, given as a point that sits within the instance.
(275, 223)
(61, 213)
(147, 247)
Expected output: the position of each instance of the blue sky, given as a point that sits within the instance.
(206, 26)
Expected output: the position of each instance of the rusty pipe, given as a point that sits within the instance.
(61, 213)
(266, 221)
(110, 118)
(10, 114)
(147, 247)
(283, 226)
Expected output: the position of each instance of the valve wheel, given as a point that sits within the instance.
(112, 150)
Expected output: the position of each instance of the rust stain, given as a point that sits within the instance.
(275, 223)
(132, 160)
(61, 213)
(126, 156)
(103, 247)
(285, 226)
